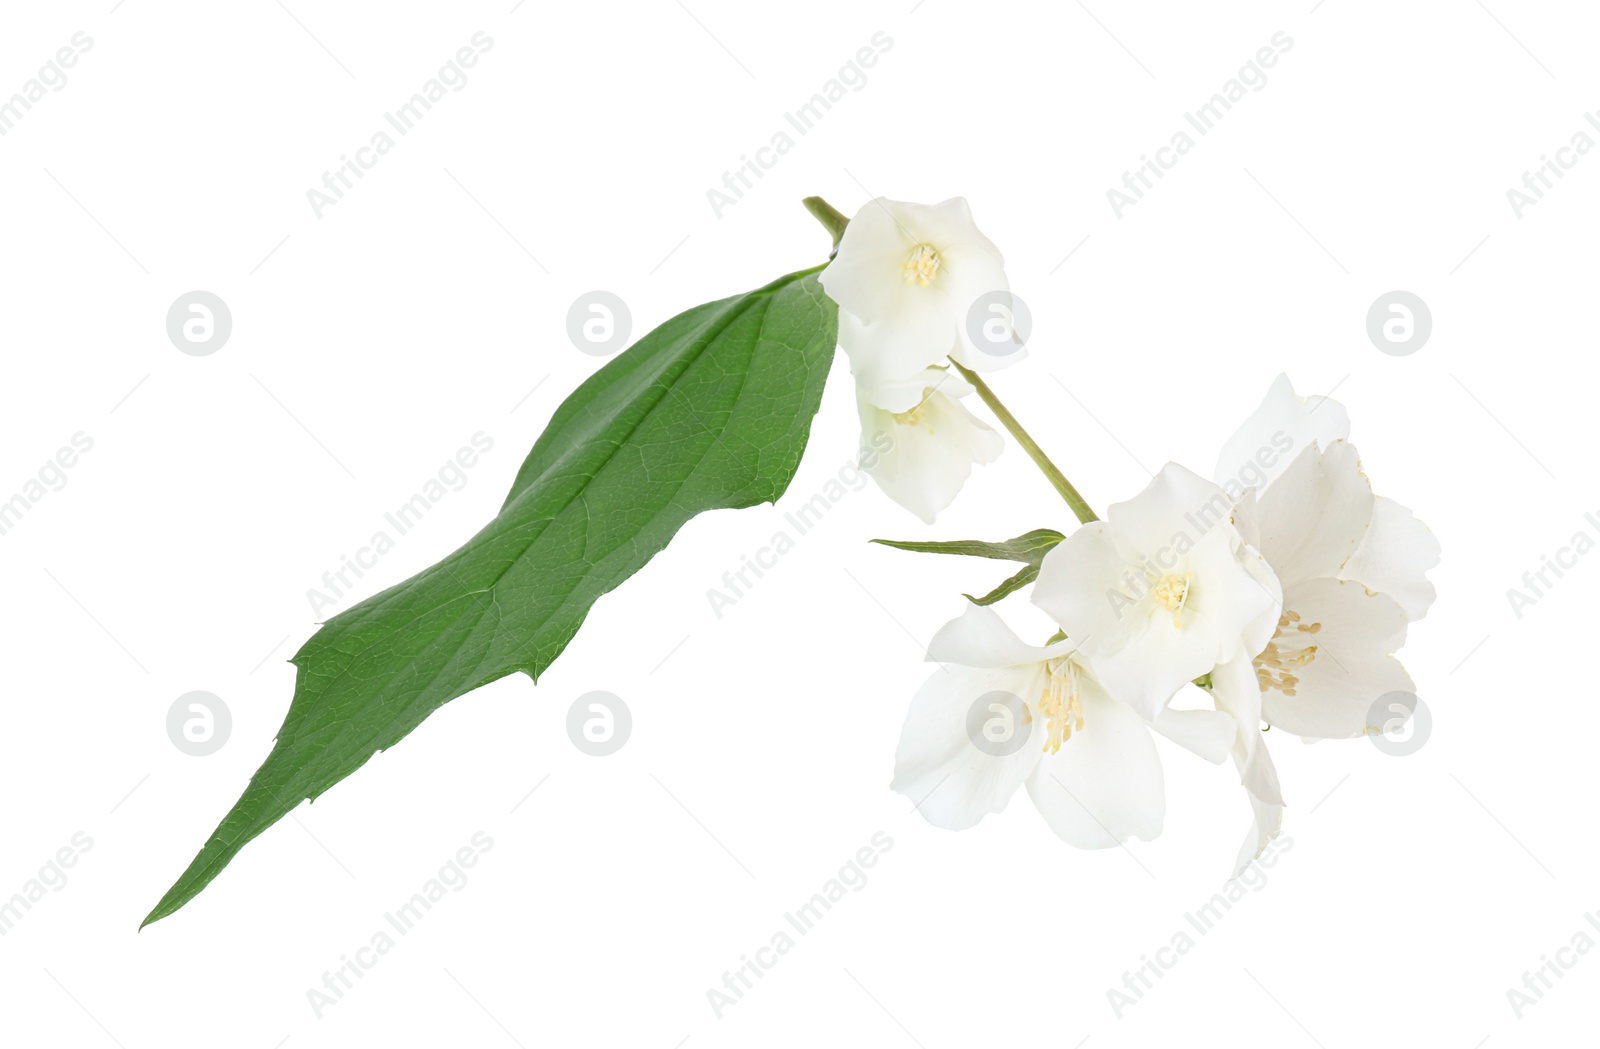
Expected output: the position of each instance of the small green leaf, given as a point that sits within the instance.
(710, 410)
(1029, 548)
(1027, 575)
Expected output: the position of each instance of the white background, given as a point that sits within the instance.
(372, 342)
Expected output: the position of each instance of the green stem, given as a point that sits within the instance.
(833, 220)
(1079, 505)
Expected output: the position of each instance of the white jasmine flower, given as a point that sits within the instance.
(1161, 591)
(910, 274)
(1087, 760)
(933, 441)
(1353, 570)
(1352, 567)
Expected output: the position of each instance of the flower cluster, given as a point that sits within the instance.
(906, 278)
(1280, 588)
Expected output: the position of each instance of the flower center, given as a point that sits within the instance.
(917, 416)
(921, 266)
(1172, 593)
(1059, 706)
(1290, 649)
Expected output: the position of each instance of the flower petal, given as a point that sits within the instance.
(952, 782)
(1314, 516)
(1070, 580)
(1266, 821)
(1161, 659)
(1234, 688)
(866, 277)
(930, 454)
(1246, 518)
(949, 226)
(970, 277)
(906, 394)
(980, 638)
(1353, 665)
(1235, 588)
(1395, 557)
(1105, 784)
(1176, 509)
(1280, 428)
(1208, 733)
(888, 358)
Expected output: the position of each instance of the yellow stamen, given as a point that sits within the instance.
(1289, 650)
(1059, 705)
(921, 266)
(917, 416)
(1172, 593)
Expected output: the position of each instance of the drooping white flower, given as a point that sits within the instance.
(1001, 713)
(910, 274)
(921, 447)
(1161, 591)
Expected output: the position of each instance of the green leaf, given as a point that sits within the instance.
(1028, 548)
(1027, 575)
(710, 410)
